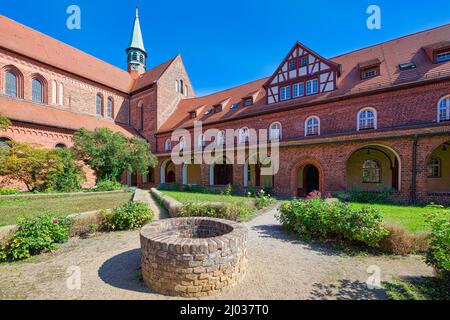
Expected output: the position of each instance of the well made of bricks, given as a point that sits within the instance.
(193, 257)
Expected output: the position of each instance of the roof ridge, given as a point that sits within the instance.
(224, 90)
(391, 40)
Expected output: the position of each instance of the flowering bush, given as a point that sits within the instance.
(316, 217)
(230, 211)
(129, 216)
(36, 235)
(262, 199)
(438, 254)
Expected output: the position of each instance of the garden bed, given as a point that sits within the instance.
(11, 209)
(193, 197)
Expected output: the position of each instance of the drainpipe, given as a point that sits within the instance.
(414, 171)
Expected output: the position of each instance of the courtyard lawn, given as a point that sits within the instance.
(191, 197)
(411, 217)
(10, 210)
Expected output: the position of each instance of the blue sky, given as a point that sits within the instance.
(226, 43)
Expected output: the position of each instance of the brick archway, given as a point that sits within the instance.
(300, 165)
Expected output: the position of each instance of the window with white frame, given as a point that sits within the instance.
(201, 141)
(312, 126)
(285, 93)
(444, 109)
(434, 167)
(220, 138)
(182, 144)
(243, 135)
(367, 119)
(275, 131)
(312, 87)
(168, 145)
(371, 171)
(298, 90)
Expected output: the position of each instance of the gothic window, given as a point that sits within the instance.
(168, 145)
(99, 105)
(312, 126)
(109, 109)
(275, 131)
(444, 109)
(371, 171)
(37, 91)
(11, 84)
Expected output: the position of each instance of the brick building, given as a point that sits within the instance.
(374, 119)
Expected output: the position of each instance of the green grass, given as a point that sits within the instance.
(425, 288)
(10, 210)
(191, 197)
(411, 217)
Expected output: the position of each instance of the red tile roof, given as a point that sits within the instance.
(390, 54)
(25, 111)
(151, 76)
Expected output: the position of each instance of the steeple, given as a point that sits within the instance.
(136, 54)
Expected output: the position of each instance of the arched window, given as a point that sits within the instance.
(109, 109)
(177, 85)
(243, 135)
(220, 140)
(371, 171)
(200, 141)
(61, 94)
(312, 126)
(275, 131)
(141, 58)
(4, 142)
(367, 119)
(37, 91)
(11, 85)
(434, 167)
(134, 56)
(186, 90)
(99, 105)
(60, 146)
(141, 115)
(168, 145)
(181, 87)
(444, 109)
(182, 143)
(54, 91)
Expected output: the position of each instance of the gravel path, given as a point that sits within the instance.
(280, 267)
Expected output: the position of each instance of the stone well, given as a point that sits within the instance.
(193, 257)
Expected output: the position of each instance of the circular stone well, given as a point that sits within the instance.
(193, 257)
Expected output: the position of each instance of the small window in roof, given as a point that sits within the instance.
(218, 108)
(209, 111)
(407, 66)
(193, 114)
(248, 102)
(234, 106)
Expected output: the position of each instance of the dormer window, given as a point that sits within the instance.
(234, 106)
(209, 111)
(218, 108)
(292, 65)
(407, 66)
(442, 57)
(248, 102)
(438, 52)
(193, 114)
(369, 69)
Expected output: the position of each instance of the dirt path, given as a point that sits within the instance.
(280, 267)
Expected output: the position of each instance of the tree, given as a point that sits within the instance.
(4, 122)
(30, 164)
(71, 176)
(111, 153)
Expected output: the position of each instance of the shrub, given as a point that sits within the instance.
(108, 185)
(130, 216)
(71, 176)
(382, 196)
(402, 242)
(438, 255)
(8, 191)
(262, 199)
(36, 235)
(316, 217)
(222, 211)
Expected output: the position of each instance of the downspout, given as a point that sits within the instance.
(414, 171)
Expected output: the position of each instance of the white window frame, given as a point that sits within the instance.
(201, 141)
(284, 92)
(432, 164)
(220, 138)
(375, 119)
(307, 126)
(445, 57)
(243, 138)
(168, 145)
(296, 87)
(182, 144)
(445, 108)
(278, 136)
(54, 92)
(311, 87)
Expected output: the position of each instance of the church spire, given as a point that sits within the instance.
(136, 54)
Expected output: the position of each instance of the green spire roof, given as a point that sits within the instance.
(136, 41)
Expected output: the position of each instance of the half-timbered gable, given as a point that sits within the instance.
(302, 73)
